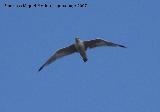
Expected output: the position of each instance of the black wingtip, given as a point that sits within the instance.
(122, 46)
(40, 68)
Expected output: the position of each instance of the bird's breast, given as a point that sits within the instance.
(79, 46)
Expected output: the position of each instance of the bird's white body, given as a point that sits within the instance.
(80, 47)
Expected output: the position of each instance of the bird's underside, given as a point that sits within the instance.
(81, 47)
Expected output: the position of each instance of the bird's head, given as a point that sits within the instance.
(77, 39)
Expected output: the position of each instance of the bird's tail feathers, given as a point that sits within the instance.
(85, 59)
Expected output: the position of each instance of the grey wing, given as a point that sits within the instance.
(60, 53)
(100, 42)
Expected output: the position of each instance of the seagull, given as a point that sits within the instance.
(80, 47)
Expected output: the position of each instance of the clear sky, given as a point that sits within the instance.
(113, 79)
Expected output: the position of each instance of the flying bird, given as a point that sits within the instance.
(80, 47)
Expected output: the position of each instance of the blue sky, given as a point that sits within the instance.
(113, 79)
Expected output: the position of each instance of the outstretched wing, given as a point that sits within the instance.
(60, 53)
(100, 42)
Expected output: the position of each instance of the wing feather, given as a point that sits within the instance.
(99, 43)
(60, 53)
